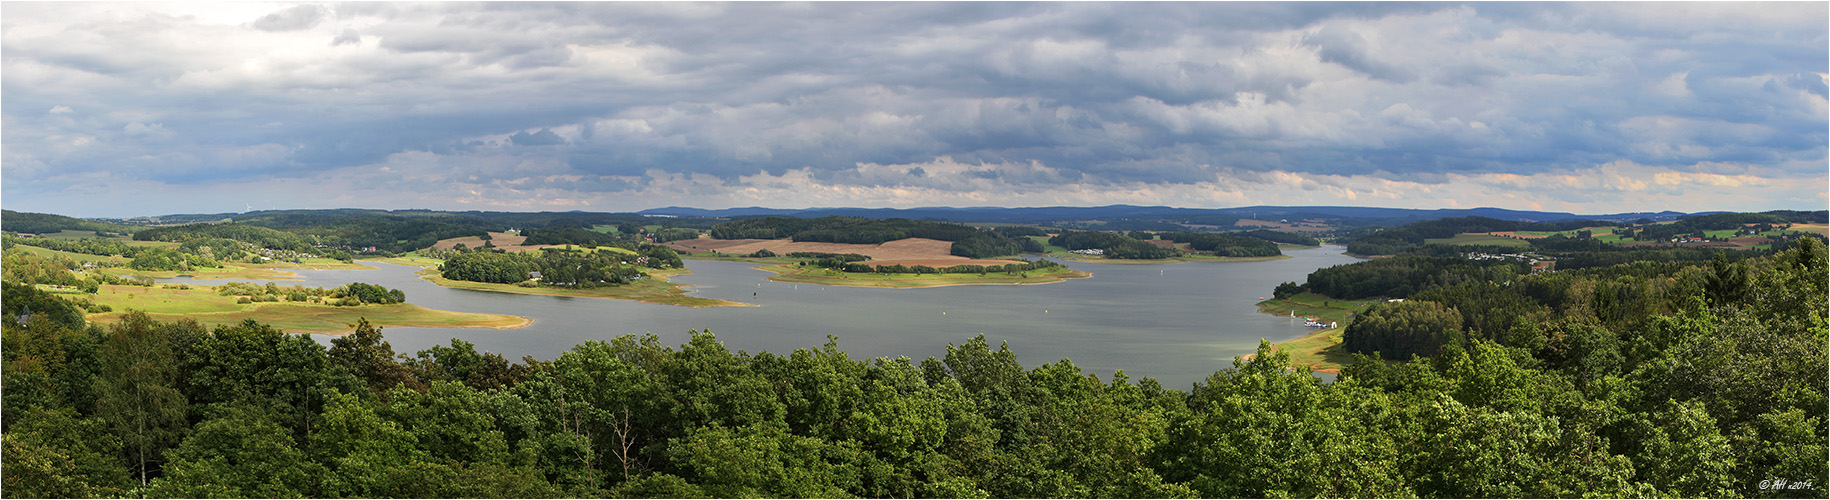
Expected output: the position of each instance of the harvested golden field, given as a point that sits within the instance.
(908, 252)
(1510, 234)
(504, 240)
(1294, 227)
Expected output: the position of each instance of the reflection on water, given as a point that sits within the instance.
(1175, 322)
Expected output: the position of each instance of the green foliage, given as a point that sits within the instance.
(1385, 242)
(55, 453)
(567, 235)
(28, 222)
(1627, 382)
(1286, 290)
(241, 454)
(1399, 330)
(26, 301)
(160, 259)
(985, 245)
(573, 269)
(89, 246)
(1282, 237)
(258, 236)
(137, 390)
(1116, 246)
(1251, 244)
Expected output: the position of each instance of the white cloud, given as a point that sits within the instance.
(1200, 104)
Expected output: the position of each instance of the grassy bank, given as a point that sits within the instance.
(1320, 351)
(795, 274)
(204, 305)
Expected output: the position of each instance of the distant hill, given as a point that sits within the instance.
(35, 223)
(1049, 214)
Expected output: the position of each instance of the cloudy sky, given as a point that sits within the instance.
(145, 109)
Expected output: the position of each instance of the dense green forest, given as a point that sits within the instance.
(558, 267)
(398, 231)
(1626, 372)
(1718, 395)
(1248, 244)
(1115, 245)
(1134, 246)
(36, 223)
(1395, 240)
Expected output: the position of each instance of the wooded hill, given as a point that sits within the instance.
(1394, 240)
(1709, 391)
(35, 223)
(968, 241)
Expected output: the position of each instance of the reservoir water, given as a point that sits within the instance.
(1175, 322)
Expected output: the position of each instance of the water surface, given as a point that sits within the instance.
(1175, 322)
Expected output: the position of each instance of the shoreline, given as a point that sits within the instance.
(201, 303)
(668, 293)
(1319, 350)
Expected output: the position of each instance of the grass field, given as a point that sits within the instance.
(793, 274)
(1479, 239)
(1320, 351)
(204, 305)
(46, 252)
(74, 234)
(236, 270)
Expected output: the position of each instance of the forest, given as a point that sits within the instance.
(558, 267)
(1115, 245)
(1718, 392)
(1626, 372)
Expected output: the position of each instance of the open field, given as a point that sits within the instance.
(1320, 351)
(510, 243)
(1479, 239)
(204, 305)
(48, 253)
(1293, 227)
(503, 240)
(908, 251)
(1812, 228)
(795, 274)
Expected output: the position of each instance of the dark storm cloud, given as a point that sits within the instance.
(888, 101)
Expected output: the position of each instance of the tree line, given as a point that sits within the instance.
(1248, 244)
(1708, 402)
(840, 229)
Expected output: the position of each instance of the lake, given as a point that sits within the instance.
(1175, 322)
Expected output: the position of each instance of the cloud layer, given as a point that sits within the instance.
(138, 109)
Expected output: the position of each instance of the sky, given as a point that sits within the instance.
(134, 109)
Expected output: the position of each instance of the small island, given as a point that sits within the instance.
(603, 272)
